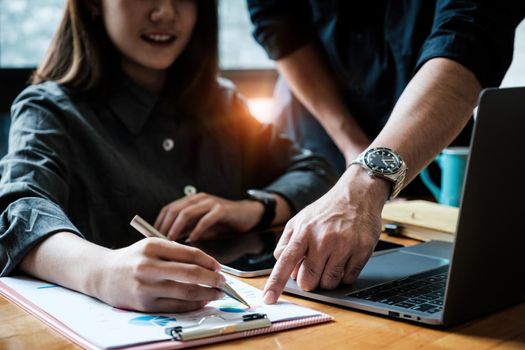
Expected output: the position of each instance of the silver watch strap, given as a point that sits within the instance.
(398, 185)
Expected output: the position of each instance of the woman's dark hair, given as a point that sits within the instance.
(82, 58)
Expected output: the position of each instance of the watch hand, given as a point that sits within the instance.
(388, 161)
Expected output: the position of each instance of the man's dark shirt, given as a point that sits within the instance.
(375, 47)
(88, 168)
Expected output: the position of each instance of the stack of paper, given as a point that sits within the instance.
(422, 220)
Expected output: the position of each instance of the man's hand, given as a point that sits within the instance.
(202, 213)
(330, 241)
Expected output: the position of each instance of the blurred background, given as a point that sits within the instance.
(26, 30)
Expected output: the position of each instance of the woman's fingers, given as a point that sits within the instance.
(188, 217)
(199, 213)
(182, 291)
(207, 221)
(173, 251)
(188, 273)
(155, 274)
(169, 212)
(168, 217)
(160, 218)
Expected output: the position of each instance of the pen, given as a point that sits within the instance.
(147, 230)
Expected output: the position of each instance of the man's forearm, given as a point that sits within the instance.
(435, 106)
(311, 80)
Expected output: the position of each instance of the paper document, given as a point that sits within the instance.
(106, 327)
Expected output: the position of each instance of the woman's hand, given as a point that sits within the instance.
(202, 214)
(156, 275)
(152, 275)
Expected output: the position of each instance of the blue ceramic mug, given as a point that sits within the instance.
(452, 163)
(5, 120)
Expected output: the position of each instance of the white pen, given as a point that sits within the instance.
(147, 230)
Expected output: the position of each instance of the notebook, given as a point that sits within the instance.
(446, 283)
(95, 325)
(421, 220)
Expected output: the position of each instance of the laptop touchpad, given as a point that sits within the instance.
(381, 268)
(395, 265)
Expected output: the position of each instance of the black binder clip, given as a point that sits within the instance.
(393, 230)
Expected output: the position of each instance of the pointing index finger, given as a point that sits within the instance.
(294, 251)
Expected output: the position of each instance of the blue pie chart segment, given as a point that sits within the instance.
(231, 309)
(150, 320)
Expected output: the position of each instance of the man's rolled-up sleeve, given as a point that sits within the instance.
(477, 34)
(281, 26)
(34, 186)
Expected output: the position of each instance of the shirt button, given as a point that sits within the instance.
(189, 190)
(168, 144)
(306, 152)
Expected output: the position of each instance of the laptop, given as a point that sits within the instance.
(440, 283)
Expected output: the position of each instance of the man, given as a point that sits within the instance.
(399, 79)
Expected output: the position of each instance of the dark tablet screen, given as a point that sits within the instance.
(248, 252)
(252, 252)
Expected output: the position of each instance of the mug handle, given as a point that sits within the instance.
(431, 185)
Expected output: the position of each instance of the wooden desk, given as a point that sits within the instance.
(351, 330)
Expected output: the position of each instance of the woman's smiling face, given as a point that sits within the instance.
(149, 34)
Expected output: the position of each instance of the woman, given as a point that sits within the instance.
(125, 116)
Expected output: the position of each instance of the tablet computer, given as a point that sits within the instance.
(247, 254)
(251, 254)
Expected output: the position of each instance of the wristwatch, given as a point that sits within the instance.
(269, 203)
(384, 163)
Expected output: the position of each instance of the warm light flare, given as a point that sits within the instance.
(261, 108)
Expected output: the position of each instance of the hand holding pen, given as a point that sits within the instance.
(147, 230)
(155, 275)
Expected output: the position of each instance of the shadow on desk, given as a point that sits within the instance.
(501, 325)
(504, 326)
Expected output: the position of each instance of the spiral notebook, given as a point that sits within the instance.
(95, 325)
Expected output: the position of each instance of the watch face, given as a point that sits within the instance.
(382, 160)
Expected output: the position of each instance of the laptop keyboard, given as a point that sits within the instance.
(423, 292)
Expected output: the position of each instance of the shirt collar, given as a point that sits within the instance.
(132, 104)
